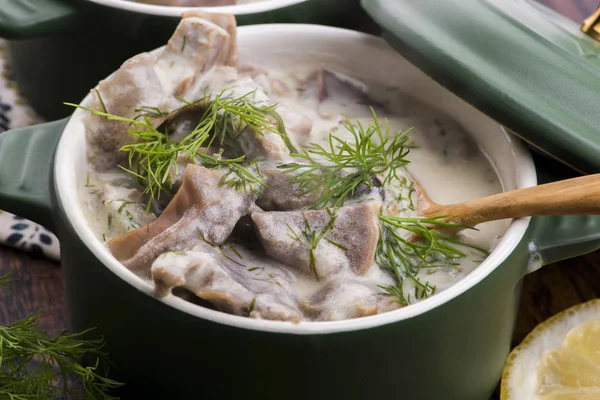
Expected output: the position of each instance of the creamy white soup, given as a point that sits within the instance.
(283, 194)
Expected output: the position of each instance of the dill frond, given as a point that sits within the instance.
(238, 176)
(153, 156)
(340, 167)
(36, 366)
(404, 257)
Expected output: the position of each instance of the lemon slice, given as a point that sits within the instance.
(558, 360)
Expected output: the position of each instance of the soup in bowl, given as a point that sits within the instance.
(277, 192)
(191, 335)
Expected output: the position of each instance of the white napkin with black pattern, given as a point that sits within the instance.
(15, 113)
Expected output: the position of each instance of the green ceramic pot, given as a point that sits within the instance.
(451, 346)
(61, 48)
(525, 65)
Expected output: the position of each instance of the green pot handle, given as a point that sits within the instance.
(558, 238)
(26, 171)
(21, 19)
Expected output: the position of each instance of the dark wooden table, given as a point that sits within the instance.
(546, 292)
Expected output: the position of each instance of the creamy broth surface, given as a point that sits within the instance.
(236, 272)
(445, 159)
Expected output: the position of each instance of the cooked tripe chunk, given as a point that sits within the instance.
(347, 298)
(281, 193)
(201, 41)
(229, 285)
(203, 209)
(322, 242)
(135, 83)
(328, 87)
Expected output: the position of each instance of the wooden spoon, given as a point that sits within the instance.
(571, 196)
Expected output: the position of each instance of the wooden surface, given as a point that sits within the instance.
(577, 196)
(546, 292)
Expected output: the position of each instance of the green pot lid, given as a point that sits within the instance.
(524, 65)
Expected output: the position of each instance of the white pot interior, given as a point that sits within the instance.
(169, 11)
(358, 55)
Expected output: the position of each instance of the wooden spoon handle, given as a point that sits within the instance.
(572, 196)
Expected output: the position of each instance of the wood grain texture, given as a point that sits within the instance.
(575, 196)
(550, 290)
(37, 286)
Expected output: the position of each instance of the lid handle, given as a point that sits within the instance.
(591, 25)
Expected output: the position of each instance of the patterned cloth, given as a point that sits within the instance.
(15, 113)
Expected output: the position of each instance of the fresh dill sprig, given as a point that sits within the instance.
(35, 366)
(341, 167)
(245, 177)
(404, 257)
(227, 117)
(153, 156)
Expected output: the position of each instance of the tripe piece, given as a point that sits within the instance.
(322, 242)
(201, 41)
(202, 210)
(237, 287)
(344, 298)
(281, 194)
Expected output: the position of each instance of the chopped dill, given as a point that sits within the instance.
(104, 109)
(235, 251)
(252, 305)
(237, 176)
(132, 222)
(341, 167)
(253, 269)
(313, 239)
(222, 251)
(293, 234)
(87, 182)
(184, 42)
(208, 242)
(339, 246)
(124, 204)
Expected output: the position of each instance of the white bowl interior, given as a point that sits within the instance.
(358, 55)
(169, 11)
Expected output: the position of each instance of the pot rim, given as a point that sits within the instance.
(171, 11)
(68, 199)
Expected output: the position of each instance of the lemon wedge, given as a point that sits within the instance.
(558, 360)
